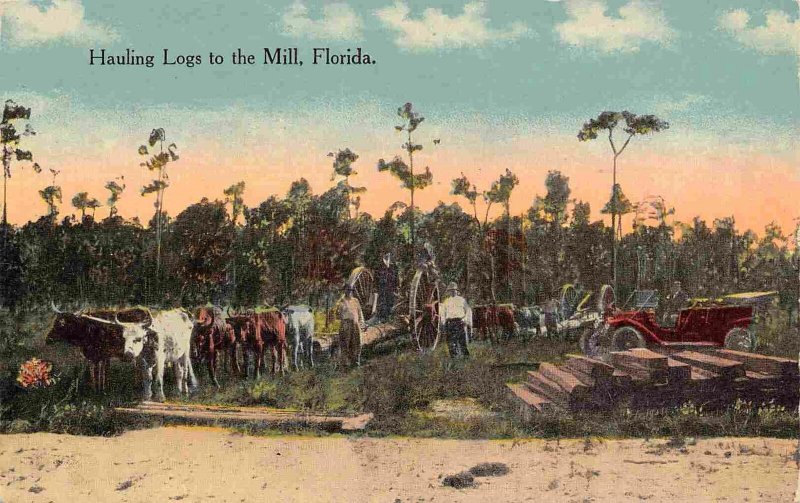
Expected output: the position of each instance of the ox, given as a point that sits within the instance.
(529, 319)
(244, 333)
(260, 331)
(211, 336)
(300, 327)
(271, 333)
(494, 318)
(98, 338)
(164, 338)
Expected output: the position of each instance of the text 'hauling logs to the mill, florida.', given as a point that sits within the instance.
(276, 56)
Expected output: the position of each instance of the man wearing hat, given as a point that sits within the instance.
(455, 316)
(352, 320)
(675, 301)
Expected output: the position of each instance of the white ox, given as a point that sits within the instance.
(300, 331)
(166, 338)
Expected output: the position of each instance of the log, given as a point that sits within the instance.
(678, 372)
(640, 357)
(566, 381)
(760, 363)
(727, 369)
(528, 401)
(378, 333)
(593, 368)
(541, 385)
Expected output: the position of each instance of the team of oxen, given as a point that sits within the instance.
(156, 339)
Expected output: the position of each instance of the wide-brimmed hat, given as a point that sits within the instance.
(452, 287)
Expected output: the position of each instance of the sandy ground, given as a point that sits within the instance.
(204, 464)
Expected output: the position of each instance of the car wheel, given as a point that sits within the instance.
(740, 339)
(627, 338)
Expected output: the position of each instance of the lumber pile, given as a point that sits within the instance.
(641, 379)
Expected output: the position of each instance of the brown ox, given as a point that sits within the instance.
(211, 336)
(491, 320)
(271, 330)
(97, 336)
(244, 332)
(259, 331)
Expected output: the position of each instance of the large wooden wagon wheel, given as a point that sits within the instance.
(423, 310)
(607, 300)
(568, 301)
(363, 283)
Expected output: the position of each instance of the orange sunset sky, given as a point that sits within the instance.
(502, 86)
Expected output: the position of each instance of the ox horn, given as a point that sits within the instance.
(98, 320)
(54, 308)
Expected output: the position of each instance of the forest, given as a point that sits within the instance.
(300, 246)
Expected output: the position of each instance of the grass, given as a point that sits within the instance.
(410, 394)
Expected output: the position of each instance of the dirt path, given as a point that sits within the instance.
(204, 464)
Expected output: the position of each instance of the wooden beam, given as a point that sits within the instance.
(589, 366)
(727, 369)
(640, 357)
(760, 363)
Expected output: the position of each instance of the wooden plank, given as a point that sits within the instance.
(678, 372)
(643, 375)
(541, 385)
(621, 379)
(589, 366)
(566, 381)
(333, 423)
(700, 375)
(727, 369)
(583, 377)
(528, 400)
(640, 357)
(760, 363)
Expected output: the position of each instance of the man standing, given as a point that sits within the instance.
(550, 309)
(454, 317)
(352, 322)
(387, 287)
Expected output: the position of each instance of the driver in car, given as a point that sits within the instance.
(675, 301)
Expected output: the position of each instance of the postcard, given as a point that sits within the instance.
(399, 250)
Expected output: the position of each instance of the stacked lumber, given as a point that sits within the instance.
(641, 378)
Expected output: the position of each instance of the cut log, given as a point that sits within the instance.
(565, 380)
(593, 368)
(726, 369)
(528, 401)
(541, 385)
(760, 363)
(377, 333)
(678, 372)
(583, 377)
(640, 357)
(700, 375)
(621, 379)
(641, 375)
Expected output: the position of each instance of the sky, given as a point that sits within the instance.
(502, 84)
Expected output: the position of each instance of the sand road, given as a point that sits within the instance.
(204, 464)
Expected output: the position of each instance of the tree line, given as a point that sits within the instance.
(301, 246)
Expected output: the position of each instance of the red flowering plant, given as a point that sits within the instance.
(35, 373)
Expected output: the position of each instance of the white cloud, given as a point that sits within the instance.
(589, 25)
(436, 30)
(778, 35)
(689, 102)
(338, 22)
(26, 23)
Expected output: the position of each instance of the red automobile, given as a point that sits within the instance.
(723, 322)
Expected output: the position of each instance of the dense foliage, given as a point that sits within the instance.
(302, 246)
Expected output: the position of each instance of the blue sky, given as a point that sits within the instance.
(486, 74)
